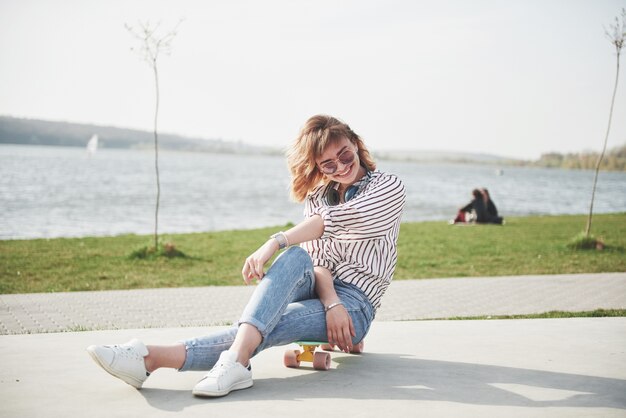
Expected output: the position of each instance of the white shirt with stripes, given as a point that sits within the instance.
(359, 244)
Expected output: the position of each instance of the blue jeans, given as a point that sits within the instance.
(284, 308)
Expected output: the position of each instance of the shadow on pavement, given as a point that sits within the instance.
(403, 377)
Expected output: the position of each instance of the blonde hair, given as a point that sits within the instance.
(316, 134)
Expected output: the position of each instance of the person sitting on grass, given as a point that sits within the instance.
(490, 207)
(326, 289)
(480, 210)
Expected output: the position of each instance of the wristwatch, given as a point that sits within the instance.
(282, 240)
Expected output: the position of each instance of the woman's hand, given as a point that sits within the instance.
(339, 328)
(253, 266)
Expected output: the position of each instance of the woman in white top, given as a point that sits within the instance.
(326, 289)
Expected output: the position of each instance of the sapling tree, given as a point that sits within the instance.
(616, 34)
(151, 45)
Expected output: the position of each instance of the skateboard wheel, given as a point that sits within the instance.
(321, 361)
(327, 347)
(290, 359)
(358, 349)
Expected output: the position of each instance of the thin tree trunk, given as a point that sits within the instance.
(606, 138)
(156, 159)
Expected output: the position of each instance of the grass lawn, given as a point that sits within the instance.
(525, 245)
(528, 245)
(598, 313)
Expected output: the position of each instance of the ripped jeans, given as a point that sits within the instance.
(284, 308)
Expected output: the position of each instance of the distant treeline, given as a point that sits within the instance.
(40, 132)
(614, 160)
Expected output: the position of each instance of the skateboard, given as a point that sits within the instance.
(320, 359)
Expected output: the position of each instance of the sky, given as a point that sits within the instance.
(515, 78)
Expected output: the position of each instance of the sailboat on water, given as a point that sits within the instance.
(92, 145)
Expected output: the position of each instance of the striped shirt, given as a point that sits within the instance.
(359, 243)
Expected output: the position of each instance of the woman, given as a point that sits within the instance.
(492, 211)
(327, 289)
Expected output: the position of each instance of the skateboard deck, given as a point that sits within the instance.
(320, 359)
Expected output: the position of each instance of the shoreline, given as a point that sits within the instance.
(286, 225)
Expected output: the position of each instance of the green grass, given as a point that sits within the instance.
(528, 245)
(598, 313)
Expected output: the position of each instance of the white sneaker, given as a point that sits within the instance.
(123, 361)
(227, 375)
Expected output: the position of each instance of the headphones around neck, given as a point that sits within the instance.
(333, 197)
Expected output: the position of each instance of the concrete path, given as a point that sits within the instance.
(504, 368)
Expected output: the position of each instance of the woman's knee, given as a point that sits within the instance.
(296, 267)
(294, 257)
(296, 252)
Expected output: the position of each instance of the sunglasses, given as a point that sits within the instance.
(330, 166)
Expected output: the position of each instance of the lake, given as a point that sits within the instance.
(49, 192)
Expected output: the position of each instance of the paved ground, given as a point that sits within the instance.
(405, 300)
(509, 368)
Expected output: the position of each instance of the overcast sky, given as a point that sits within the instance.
(513, 78)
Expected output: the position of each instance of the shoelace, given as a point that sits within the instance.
(223, 367)
(126, 351)
(220, 369)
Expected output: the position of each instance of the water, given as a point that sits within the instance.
(48, 192)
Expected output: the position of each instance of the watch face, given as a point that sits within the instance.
(282, 240)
